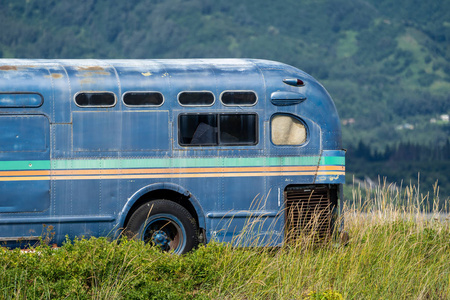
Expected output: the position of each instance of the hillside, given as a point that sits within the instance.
(386, 63)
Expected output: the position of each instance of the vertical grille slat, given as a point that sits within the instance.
(308, 212)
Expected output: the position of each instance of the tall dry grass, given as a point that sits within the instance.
(399, 248)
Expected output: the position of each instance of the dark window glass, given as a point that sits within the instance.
(19, 99)
(238, 129)
(203, 129)
(95, 99)
(196, 98)
(238, 98)
(143, 98)
(197, 130)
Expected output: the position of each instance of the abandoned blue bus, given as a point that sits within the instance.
(174, 152)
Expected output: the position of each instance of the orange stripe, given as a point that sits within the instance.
(167, 170)
(23, 173)
(195, 175)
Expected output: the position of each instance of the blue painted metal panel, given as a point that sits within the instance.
(20, 76)
(24, 196)
(101, 157)
(319, 107)
(250, 230)
(120, 131)
(160, 186)
(63, 146)
(92, 75)
(19, 135)
(60, 96)
(143, 75)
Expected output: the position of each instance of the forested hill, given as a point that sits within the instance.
(386, 63)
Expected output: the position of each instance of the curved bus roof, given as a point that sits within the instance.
(60, 80)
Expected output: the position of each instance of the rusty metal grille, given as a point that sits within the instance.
(308, 213)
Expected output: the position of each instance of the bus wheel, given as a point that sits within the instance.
(165, 224)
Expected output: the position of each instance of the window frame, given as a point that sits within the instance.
(94, 92)
(238, 91)
(156, 92)
(217, 115)
(296, 118)
(196, 105)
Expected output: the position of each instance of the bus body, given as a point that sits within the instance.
(179, 151)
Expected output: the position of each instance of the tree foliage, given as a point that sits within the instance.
(386, 63)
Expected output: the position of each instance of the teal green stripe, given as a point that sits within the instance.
(25, 165)
(172, 163)
(332, 160)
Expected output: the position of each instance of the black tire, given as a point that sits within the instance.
(166, 224)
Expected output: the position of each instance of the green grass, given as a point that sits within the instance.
(395, 252)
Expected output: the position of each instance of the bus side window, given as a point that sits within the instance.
(203, 129)
(238, 129)
(287, 130)
(197, 130)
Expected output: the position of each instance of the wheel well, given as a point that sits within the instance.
(168, 195)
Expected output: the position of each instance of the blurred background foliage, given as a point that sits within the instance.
(386, 63)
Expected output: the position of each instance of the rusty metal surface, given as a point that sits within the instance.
(308, 213)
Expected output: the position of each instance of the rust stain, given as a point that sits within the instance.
(87, 81)
(92, 68)
(91, 74)
(54, 75)
(16, 68)
(8, 68)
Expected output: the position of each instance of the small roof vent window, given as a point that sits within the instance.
(143, 98)
(95, 99)
(21, 99)
(239, 98)
(196, 98)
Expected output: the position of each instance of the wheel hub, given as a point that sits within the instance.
(161, 238)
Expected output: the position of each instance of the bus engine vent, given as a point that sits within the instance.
(308, 212)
